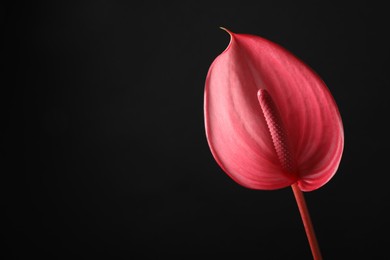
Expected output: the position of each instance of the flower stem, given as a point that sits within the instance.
(315, 249)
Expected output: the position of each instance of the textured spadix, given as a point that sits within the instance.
(236, 127)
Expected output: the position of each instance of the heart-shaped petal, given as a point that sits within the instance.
(237, 131)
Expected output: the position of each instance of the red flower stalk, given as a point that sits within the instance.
(271, 122)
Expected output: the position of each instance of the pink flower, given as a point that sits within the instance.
(270, 120)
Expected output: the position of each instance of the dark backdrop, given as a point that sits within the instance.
(103, 143)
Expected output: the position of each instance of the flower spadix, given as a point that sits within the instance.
(270, 119)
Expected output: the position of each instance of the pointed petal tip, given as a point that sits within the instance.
(223, 28)
(226, 30)
(231, 37)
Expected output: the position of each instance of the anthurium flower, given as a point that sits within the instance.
(270, 120)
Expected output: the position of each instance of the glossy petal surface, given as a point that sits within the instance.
(236, 129)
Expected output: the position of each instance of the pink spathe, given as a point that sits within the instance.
(311, 136)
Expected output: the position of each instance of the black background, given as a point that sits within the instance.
(103, 139)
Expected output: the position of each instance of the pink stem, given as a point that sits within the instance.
(315, 249)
